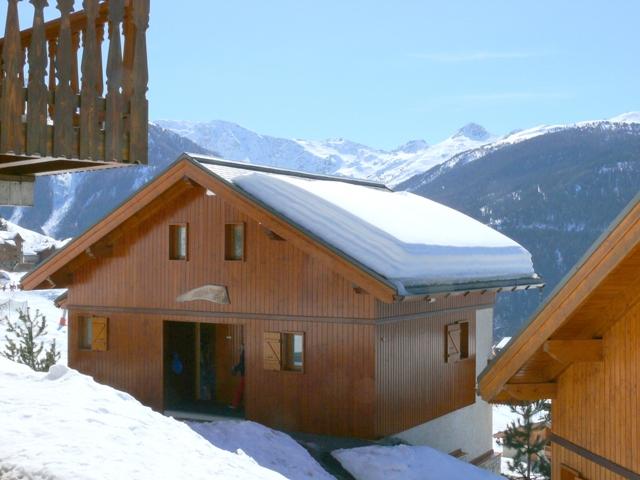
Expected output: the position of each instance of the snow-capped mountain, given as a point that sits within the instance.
(625, 122)
(333, 156)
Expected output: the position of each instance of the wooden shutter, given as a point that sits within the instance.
(100, 334)
(272, 351)
(453, 343)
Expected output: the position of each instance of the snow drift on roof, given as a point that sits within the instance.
(408, 239)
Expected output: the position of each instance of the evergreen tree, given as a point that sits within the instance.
(529, 461)
(23, 344)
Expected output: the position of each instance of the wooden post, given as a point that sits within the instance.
(139, 105)
(113, 120)
(38, 96)
(12, 102)
(63, 135)
(91, 86)
(52, 50)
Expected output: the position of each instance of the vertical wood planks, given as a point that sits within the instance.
(139, 106)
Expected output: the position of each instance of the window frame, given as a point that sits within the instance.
(456, 331)
(174, 241)
(88, 320)
(229, 241)
(285, 360)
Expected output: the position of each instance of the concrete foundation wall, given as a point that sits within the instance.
(469, 428)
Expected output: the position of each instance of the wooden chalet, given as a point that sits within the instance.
(194, 265)
(62, 107)
(582, 350)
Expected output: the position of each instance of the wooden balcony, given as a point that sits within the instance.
(62, 107)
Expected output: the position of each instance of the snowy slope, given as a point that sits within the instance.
(63, 425)
(334, 156)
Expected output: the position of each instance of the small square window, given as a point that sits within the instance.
(178, 241)
(234, 241)
(457, 342)
(93, 333)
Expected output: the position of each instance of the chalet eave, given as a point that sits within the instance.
(570, 325)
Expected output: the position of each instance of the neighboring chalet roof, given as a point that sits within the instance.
(9, 237)
(570, 324)
(392, 244)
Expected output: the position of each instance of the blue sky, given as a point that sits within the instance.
(385, 72)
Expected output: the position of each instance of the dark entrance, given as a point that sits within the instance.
(198, 363)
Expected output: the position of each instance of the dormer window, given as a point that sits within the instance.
(234, 241)
(178, 241)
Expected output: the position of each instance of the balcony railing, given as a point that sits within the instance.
(65, 109)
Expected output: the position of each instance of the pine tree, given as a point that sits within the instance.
(23, 344)
(529, 461)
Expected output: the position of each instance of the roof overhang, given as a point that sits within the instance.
(569, 326)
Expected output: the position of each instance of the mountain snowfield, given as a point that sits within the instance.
(347, 158)
(334, 156)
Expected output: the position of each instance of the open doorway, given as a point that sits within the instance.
(199, 360)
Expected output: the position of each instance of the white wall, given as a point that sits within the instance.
(469, 428)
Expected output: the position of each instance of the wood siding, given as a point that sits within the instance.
(352, 384)
(275, 277)
(414, 383)
(335, 395)
(598, 404)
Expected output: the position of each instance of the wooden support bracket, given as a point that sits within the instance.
(569, 351)
(531, 391)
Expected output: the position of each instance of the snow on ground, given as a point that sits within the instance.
(40, 300)
(404, 462)
(378, 228)
(63, 425)
(272, 449)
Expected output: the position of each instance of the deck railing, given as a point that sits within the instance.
(65, 109)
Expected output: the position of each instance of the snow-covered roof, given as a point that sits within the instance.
(412, 242)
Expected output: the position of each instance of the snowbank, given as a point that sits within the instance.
(404, 462)
(63, 425)
(408, 239)
(272, 449)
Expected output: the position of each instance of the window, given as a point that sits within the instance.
(178, 241)
(457, 342)
(93, 333)
(283, 351)
(234, 241)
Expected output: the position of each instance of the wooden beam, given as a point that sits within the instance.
(569, 351)
(531, 391)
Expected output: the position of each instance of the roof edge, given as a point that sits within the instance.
(597, 244)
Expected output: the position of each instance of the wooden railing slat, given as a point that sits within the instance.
(37, 93)
(12, 102)
(63, 138)
(113, 119)
(139, 105)
(91, 86)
